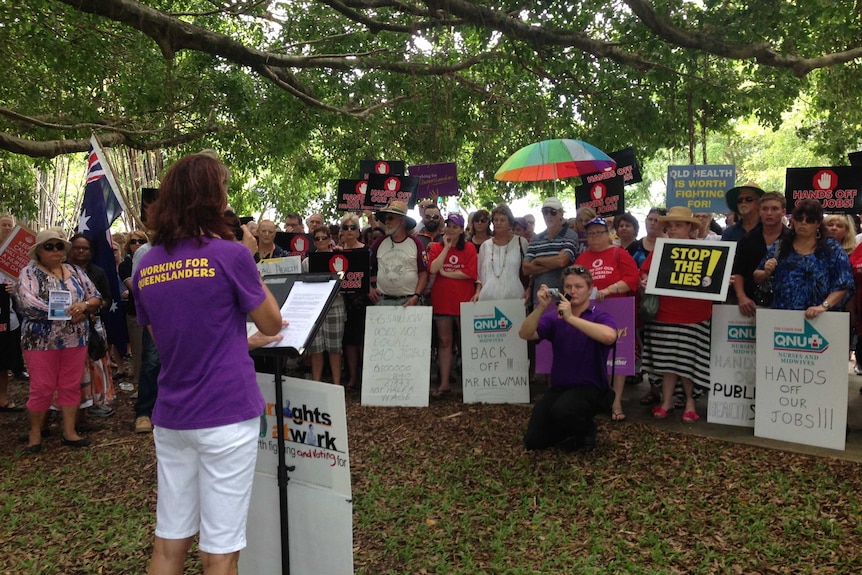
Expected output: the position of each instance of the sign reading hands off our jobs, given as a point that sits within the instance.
(802, 377)
(694, 269)
(494, 359)
(397, 362)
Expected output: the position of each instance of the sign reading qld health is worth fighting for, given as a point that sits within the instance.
(837, 189)
(733, 364)
(802, 377)
(695, 269)
(494, 359)
(700, 188)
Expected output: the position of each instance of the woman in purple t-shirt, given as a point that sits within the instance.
(193, 290)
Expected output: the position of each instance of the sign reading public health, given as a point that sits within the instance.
(383, 189)
(700, 188)
(605, 196)
(802, 377)
(733, 367)
(494, 359)
(837, 188)
(441, 179)
(697, 269)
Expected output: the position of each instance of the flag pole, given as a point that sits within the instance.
(123, 195)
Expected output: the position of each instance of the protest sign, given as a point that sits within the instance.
(696, 269)
(380, 167)
(273, 266)
(318, 493)
(293, 244)
(493, 358)
(441, 179)
(836, 188)
(351, 195)
(627, 169)
(700, 188)
(383, 189)
(605, 197)
(733, 366)
(351, 265)
(396, 363)
(802, 377)
(14, 252)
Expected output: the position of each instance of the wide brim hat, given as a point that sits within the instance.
(399, 208)
(51, 234)
(681, 214)
(732, 195)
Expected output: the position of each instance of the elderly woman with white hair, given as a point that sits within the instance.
(55, 298)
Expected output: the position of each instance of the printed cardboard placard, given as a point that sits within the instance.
(14, 252)
(605, 197)
(696, 269)
(383, 189)
(627, 168)
(381, 168)
(802, 390)
(836, 188)
(494, 359)
(700, 188)
(733, 367)
(441, 179)
(293, 244)
(351, 265)
(351, 195)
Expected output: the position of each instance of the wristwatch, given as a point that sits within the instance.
(825, 304)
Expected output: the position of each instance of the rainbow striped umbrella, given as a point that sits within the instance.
(554, 159)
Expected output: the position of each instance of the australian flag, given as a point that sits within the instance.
(102, 205)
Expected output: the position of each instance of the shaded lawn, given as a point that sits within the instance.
(449, 489)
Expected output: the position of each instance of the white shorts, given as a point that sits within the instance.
(205, 478)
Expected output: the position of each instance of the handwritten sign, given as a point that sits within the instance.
(802, 377)
(493, 358)
(733, 369)
(396, 367)
(287, 265)
(700, 188)
(696, 269)
(14, 254)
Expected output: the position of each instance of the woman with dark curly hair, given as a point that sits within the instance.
(811, 271)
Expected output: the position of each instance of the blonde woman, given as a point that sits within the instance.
(842, 229)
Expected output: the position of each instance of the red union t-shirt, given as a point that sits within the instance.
(448, 293)
(609, 266)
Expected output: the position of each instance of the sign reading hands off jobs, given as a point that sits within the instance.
(694, 269)
(802, 377)
(397, 363)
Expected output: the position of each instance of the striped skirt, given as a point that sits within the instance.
(682, 349)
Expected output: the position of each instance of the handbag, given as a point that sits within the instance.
(763, 292)
(97, 347)
(648, 307)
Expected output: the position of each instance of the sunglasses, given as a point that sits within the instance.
(349, 228)
(805, 219)
(388, 217)
(549, 211)
(577, 270)
(320, 238)
(432, 217)
(746, 199)
(59, 246)
(139, 242)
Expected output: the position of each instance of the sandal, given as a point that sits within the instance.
(660, 413)
(690, 417)
(618, 415)
(11, 408)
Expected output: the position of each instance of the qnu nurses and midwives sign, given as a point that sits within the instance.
(695, 269)
(802, 377)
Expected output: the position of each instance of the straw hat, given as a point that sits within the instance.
(398, 208)
(47, 236)
(680, 214)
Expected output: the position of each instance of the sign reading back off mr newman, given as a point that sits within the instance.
(691, 268)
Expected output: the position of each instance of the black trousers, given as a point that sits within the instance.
(565, 414)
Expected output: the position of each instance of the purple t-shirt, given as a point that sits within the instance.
(578, 359)
(196, 299)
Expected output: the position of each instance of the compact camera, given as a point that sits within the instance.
(557, 294)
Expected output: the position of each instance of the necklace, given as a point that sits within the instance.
(503, 266)
(57, 274)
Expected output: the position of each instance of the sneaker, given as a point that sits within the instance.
(857, 369)
(143, 424)
(126, 386)
(100, 411)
